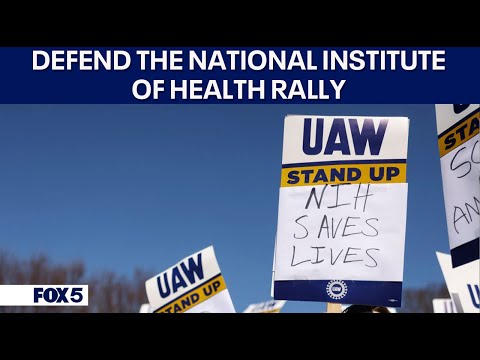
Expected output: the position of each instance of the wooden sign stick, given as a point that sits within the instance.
(334, 308)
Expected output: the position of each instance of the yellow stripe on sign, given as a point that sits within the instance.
(461, 133)
(195, 296)
(341, 174)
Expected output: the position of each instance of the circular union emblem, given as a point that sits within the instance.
(336, 289)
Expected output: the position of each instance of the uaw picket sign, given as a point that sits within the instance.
(342, 210)
(458, 143)
(193, 285)
(463, 283)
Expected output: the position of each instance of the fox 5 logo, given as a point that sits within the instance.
(61, 295)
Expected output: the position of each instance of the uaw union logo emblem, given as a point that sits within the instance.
(337, 289)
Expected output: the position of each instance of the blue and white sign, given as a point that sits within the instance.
(463, 283)
(342, 210)
(459, 147)
(193, 285)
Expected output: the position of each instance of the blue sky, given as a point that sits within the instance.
(126, 186)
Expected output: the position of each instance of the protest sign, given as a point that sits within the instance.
(342, 210)
(145, 308)
(193, 285)
(463, 283)
(443, 306)
(458, 143)
(271, 306)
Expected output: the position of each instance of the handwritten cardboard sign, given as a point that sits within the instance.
(458, 143)
(193, 285)
(342, 210)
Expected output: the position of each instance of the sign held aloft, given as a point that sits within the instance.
(193, 285)
(463, 283)
(342, 210)
(458, 143)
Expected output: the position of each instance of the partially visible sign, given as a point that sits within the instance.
(272, 287)
(271, 306)
(145, 308)
(463, 283)
(443, 306)
(193, 285)
(458, 143)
